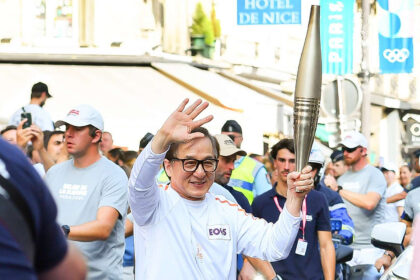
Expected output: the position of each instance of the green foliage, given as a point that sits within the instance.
(208, 32)
(202, 25)
(199, 17)
(215, 22)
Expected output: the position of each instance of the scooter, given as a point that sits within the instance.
(390, 236)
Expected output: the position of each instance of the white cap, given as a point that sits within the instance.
(354, 139)
(227, 146)
(83, 115)
(316, 156)
(390, 166)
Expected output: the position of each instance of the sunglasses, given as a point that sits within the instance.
(350, 150)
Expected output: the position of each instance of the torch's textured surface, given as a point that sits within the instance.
(308, 91)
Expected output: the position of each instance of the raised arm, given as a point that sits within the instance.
(144, 196)
(273, 242)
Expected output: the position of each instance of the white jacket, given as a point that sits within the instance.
(180, 239)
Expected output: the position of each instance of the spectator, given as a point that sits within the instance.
(106, 142)
(40, 117)
(54, 143)
(91, 194)
(9, 134)
(116, 155)
(405, 176)
(129, 158)
(411, 210)
(415, 183)
(336, 205)
(145, 140)
(227, 156)
(312, 255)
(339, 167)
(362, 188)
(249, 176)
(393, 210)
(32, 245)
(198, 232)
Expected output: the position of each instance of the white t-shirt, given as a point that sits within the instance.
(180, 239)
(40, 117)
(391, 212)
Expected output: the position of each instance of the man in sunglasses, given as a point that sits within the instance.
(362, 188)
(184, 232)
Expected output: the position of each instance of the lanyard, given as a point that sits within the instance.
(276, 201)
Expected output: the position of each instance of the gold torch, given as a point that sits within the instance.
(308, 91)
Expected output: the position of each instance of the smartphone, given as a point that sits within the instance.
(28, 117)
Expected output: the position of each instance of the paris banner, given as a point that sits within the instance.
(395, 28)
(337, 36)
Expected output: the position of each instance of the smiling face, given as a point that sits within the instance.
(405, 175)
(191, 185)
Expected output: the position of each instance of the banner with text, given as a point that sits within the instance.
(268, 12)
(337, 36)
(395, 28)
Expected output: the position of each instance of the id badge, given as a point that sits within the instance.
(301, 247)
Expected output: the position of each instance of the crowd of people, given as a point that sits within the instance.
(188, 204)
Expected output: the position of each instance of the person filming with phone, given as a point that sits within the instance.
(33, 112)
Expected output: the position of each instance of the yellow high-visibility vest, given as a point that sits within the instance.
(243, 177)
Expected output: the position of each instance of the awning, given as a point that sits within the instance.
(136, 100)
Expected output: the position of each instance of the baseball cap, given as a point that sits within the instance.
(353, 140)
(227, 147)
(336, 156)
(316, 156)
(389, 166)
(83, 115)
(232, 126)
(145, 140)
(41, 87)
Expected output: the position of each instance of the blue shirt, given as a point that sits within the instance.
(50, 244)
(318, 219)
(415, 183)
(240, 198)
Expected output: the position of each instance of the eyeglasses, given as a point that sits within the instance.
(350, 150)
(191, 165)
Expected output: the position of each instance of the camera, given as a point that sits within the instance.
(28, 117)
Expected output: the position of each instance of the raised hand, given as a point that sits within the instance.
(37, 137)
(304, 182)
(177, 128)
(23, 135)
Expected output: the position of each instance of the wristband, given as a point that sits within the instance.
(388, 254)
(66, 230)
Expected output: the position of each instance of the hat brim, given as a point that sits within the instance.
(230, 152)
(348, 145)
(71, 122)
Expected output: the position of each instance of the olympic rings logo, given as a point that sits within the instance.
(399, 55)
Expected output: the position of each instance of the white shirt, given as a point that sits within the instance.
(391, 212)
(39, 117)
(177, 238)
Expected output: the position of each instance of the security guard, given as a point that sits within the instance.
(249, 176)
